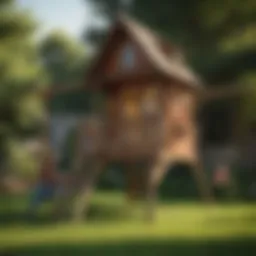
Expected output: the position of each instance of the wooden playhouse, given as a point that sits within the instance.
(149, 99)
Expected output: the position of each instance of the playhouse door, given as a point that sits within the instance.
(130, 118)
(141, 118)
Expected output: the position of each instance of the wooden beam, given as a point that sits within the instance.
(89, 176)
(223, 93)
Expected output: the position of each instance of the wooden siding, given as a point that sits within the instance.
(108, 65)
(180, 123)
(140, 120)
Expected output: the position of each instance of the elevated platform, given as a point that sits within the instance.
(99, 138)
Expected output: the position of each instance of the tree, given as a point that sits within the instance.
(63, 58)
(21, 75)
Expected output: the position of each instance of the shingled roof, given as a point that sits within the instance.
(172, 64)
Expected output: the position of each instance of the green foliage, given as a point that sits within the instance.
(70, 102)
(20, 69)
(21, 75)
(249, 103)
(20, 160)
(63, 58)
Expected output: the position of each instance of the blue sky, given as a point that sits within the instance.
(73, 16)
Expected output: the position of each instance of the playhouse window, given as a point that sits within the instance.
(130, 99)
(128, 57)
(150, 101)
(131, 109)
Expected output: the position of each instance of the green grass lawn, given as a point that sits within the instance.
(180, 229)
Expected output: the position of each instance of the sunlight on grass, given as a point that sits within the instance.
(174, 221)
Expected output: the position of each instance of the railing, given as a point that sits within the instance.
(125, 140)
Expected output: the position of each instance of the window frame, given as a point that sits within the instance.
(128, 57)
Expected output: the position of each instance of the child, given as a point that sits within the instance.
(46, 184)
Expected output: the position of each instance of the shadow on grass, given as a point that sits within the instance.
(16, 218)
(238, 247)
(97, 212)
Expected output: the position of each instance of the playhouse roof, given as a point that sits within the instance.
(170, 64)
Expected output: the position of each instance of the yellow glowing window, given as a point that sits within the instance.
(150, 102)
(131, 108)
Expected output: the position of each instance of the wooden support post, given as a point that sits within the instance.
(132, 187)
(151, 198)
(63, 197)
(135, 180)
(155, 175)
(82, 200)
(203, 184)
(131, 181)
(68, 187)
